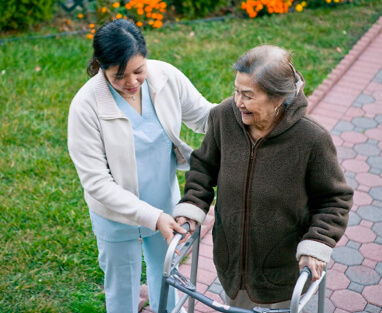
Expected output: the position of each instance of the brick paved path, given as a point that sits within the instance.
(349, 104)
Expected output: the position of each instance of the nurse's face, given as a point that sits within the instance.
(129, 83)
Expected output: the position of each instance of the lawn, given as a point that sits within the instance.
(48, 259)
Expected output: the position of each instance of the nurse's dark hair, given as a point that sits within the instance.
(272, 70)
(114, 44)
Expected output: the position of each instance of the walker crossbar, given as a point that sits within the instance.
(172, 277)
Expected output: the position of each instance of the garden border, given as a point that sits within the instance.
(327, 84)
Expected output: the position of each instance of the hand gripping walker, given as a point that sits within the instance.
(172, 277)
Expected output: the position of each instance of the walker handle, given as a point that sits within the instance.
(298, 302)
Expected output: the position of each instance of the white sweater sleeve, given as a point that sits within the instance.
(102, 193)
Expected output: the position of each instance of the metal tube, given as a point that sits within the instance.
(194, 268)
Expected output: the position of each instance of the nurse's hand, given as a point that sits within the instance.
(316, 266)
(167, 226)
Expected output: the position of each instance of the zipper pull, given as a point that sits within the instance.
(252, 149)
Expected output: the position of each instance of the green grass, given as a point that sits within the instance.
(48, 256)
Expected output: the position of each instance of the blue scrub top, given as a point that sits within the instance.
(156, 169)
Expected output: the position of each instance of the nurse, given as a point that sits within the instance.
(123, 137)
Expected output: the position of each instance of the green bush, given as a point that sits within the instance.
(200, 8)
(21, 14)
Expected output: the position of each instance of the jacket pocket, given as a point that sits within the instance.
(220, 245)
(280, 266)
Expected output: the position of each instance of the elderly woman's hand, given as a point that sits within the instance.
(316, 266)
(181, 220)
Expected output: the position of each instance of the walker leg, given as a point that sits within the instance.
(321, 295)
(194, 270)
(163, 296)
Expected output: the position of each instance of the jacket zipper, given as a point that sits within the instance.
(246, 208)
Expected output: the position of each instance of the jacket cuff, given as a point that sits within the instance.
(315, 249)
(190, 211)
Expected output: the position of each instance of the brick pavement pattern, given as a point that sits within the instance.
(349, 104)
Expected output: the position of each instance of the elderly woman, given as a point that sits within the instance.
(123, 137)
(282, 200)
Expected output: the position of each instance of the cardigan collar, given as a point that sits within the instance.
(107, 107)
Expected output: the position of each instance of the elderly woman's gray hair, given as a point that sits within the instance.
(272, 70)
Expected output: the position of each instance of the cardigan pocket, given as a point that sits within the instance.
(220, 245)
(280, 266)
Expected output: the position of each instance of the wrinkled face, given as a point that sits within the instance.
(255, 106)
(131, 81)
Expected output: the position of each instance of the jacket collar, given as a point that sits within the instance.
(107, 107)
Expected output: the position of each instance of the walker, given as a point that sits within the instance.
(172, 277)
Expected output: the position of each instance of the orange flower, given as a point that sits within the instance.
(157, 24)
(159, 16)
(151, 22)
(116, 5)
(80, 15)
(139, 24)
(140, 12)
(91, 25)
(148, 9)
(118, 16)
(93, 31)
(103, 10)
(148, 15)
(89, 36)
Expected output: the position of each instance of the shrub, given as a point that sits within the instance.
(16, 14)
(199, 8)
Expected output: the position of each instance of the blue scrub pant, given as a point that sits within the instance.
(121, 263)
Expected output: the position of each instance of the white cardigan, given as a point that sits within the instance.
(101, 143)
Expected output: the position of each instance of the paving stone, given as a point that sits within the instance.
(312, 305)
(364, 122)
(375, 171)
(355, 166)
(358, 235)
(215, 288)
(348, 300)
(356, 287)
(346, 153)
(378, 268)
(357, 104)
(367, 149)
(376, 193)
(362, 198)
(377, 203)
(336, 280)
(353, 244)
(343, 127)
(349, 174)
(347, 256)
(378, 240)
(335, 132)
(363, 275)
(375, 133)
(364, 99)
(352, 182)
(354, 219)
(360, 129)
(370, 213)
(372, 309)
(377, 228)
(369, 180)
(354, 137)
(373, 294)
(371, 251)
(378, 77)
(373, 142)
(378, 118)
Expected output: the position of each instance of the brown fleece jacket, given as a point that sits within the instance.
(285, 189)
